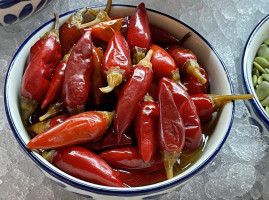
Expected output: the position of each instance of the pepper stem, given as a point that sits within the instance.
(101, 16)
(53, 110)
(138, 54)
(115, 76)
(175, 76)
(48, 155)
(149, 98)
(146, 61)
(220, 100)
(28, 106)
(169, 159)
(39, 127)
(184, 38)
(109, 116)
(108, 6)
(192, 68)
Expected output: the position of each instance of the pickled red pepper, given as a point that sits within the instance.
(80, 128)
(207, 104)
(76, 84)
(129, 158)
(139, 36)
(131, 95)
(83, 164)
(186, 61)
(117, 65)
(36, 79)
(146, 121)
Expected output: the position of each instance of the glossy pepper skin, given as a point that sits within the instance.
(163, 65)
(186, 61)
(134, 178)
(55, 87)
(188, 113)
(130, 158)
(70, 32)
(83, 164)
(108, 141)
(146, 121)
(207, 104)
(194, 86)
(116, 65)
(105, 30)
(139, 32)
(80, 128)
(76, 84)
(131, 95)
(97, 79)
(37, 76)
(161, 36)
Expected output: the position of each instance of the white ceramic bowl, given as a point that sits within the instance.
(13, 11)
(207, 56)
(256, 38)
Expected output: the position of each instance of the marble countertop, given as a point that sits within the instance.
(239, 171)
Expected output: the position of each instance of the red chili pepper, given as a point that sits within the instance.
(108, 141)
(58, 120)
(139, 36)
(131, 95)
(83, 164)
(70, 32)
(145, 128)
(135, 179)
(153, 90)
(171, 132)
(193, 85)
(117, 63)
(35, 48)
(186, 61)
(139, 31)
(36, 79)
(161, 36)
(163, 65)
(97, 79)
(207, 104)
(78, 70)
(55, 88)
(84, 127)
(129, 158)
(188, 112)
(105, 30)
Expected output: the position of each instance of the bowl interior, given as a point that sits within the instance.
(256, 38)
(207, 57)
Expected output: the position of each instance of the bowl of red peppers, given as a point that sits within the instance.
(119, 101)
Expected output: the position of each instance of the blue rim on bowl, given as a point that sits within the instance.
(99, 189)
(247, 78)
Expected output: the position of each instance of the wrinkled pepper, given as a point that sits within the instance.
(132, 94)
(171, 132)
(36, 78)
(146, 121)
(117, 64)
(207, 104)
(130, 158)
(80, 128)
(139, 36)
(85, 165)
(186, 61)
(76, 84)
